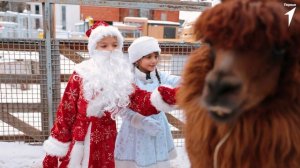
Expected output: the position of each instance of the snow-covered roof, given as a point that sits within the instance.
(135, 19)
(122, 26)
(158, 22)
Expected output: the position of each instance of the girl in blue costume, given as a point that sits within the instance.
(137, 147)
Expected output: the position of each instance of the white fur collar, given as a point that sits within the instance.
(142, 76)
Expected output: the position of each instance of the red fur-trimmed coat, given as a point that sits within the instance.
(77, 138)
(72, 125)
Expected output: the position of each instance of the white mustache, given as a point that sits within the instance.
(109, 56)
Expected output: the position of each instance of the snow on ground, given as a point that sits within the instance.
(21, 155)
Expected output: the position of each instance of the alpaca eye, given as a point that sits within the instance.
(212, 55)
(209, 42)
(278, 52)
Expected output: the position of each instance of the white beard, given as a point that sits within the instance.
(107, 82)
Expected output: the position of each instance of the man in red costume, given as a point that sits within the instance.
(84, 133)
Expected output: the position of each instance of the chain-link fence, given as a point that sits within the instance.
(34, 73)
(24, 81)
(23, 94)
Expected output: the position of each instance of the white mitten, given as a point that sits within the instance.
(151, 126)
(148, 124)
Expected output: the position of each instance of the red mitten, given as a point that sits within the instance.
(50, 162)
(140, 102)
(168, 94)
(163, 98)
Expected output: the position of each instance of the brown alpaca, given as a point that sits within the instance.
(243, 88)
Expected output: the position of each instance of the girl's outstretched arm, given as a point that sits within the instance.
(149, 103)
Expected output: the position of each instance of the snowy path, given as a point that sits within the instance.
(20, 155)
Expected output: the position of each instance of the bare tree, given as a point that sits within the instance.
(4, 6)
(12, 6)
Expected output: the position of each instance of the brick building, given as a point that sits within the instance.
(109, 14)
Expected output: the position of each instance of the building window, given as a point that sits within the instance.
(163, 17)
(37, 9)
(145, 13)
(37, 21)
(63, 17)
(170, 32)
(131, 12)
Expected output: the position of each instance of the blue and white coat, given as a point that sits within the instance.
(137, 149)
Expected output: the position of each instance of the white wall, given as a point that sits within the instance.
(72, 16)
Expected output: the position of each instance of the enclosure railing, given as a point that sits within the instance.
(34, 72)
(24, 83)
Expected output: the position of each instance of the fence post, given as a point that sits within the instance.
(48, 18)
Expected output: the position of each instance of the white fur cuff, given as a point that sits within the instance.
(159, 103)
(56, 148)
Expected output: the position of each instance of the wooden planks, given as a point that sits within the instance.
(21, 126)
(177, 124)
(28, 79)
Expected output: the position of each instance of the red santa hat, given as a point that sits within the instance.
(141, 47)
(100, 30)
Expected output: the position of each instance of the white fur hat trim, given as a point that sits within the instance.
(103, 31)
(141, 47)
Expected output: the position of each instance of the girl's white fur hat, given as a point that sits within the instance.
(141, 47)
(100, 30)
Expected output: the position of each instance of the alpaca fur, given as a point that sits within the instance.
(268, 134)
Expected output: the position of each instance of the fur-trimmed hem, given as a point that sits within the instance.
(159, 164)
(132, 164)
(76, 155)
(159, 103)
(86, 150)
(173, 154)
(54, 147)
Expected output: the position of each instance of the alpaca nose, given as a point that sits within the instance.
(222, 87)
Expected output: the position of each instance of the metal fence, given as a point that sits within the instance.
(34, 73)
(23, 94)
(30, 94)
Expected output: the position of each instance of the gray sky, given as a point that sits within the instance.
(188, 16)
(191, 16)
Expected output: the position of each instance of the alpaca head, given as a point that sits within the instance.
(240, 80)
(246, 74)
(249, 45)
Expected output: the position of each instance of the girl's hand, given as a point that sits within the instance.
(50, 162)
(168, 94)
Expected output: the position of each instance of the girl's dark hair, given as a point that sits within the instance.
(156, 71)
(157, 75)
